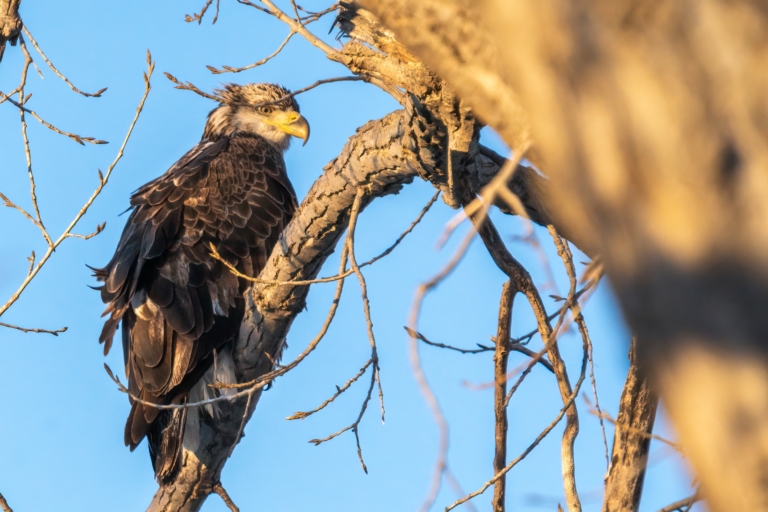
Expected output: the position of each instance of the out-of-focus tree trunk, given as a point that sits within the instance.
(10, 23)
(631, 441)
(651, 118)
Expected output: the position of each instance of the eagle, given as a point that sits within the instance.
(179, 308)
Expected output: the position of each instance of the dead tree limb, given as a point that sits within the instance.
(500, 357)
(637, 411)
(379, 157)
(524, 284)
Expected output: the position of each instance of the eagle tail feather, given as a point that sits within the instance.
(165, 438)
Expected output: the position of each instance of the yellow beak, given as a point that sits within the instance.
(291, 123)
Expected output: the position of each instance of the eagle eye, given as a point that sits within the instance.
(265, 110)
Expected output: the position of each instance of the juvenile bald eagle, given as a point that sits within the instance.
(176, 303)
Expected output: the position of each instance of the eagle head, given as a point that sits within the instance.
(254, 108)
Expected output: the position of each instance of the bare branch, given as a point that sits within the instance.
(632, 439)
(77, 138)
(87, 205)
(229, 69)
(517, 347)
(350, 248)
(3, 503)
(339, 391)
(189, 86)
(218, 488)
(565, 254)
(198, 17)
(683, 505)
(524, 283)
(295, 25)
(215, 254)
(568, 403)
(499, 394)
(34, 329)
(96, 94)
(98, 230)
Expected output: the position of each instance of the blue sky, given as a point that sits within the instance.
(62, 419)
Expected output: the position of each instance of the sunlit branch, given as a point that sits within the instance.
(96, 94)
(89, 202)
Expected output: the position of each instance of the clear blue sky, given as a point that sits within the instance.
(61, 425)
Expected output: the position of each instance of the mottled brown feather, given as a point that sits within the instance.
(176, 303)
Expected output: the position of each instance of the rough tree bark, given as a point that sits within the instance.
(631, 441)
(10, 23)
(651, 120)
(376, 157)
(382, 156)
(435, 138)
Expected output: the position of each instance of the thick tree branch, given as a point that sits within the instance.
(382, 157)
(637, 411)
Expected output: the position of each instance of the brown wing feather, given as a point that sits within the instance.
(176, 303)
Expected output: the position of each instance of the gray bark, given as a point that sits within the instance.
(650, 118)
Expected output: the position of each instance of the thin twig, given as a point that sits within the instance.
(339, 390)
(96, 94)
(522, 279)
(87, 205)
(31, 260)
(198, 17)
(364, 290)
(55, 332)
(642, 433)
(189, 86)
(27, 151)
(682, 504)
(215, 254)
(517, 347)
(565, 254)
(413, 353)
(355, 78)
(568, 403)
(98, 230)
(375, 378)
(294, 25)
(250, 387)
(487, 195)
(229, 69)
(561, 326)
(77, 138)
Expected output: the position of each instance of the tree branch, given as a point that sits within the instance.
(500, 358)
(381, 158)
(637, 410)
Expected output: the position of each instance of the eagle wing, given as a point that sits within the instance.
(177, 304)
